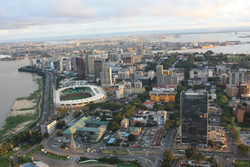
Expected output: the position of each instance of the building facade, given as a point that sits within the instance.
(194, 117)
(80, 63)
(106, 76)
(98, 65)
(236, 77)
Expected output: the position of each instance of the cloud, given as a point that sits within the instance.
(91, 16)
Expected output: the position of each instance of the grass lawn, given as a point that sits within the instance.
(126, 164)
(241, 163)
(115, 152)
(76, 97)
(4, 162)
(53, 156)
(143, 152)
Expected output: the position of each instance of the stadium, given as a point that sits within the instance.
(78, 96)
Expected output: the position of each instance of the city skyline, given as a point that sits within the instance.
(38, 19)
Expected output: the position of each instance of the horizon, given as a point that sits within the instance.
(128, 33)
(37, 19)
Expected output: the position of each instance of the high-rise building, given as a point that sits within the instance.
(80, 62)
(32, 62)
(68, 65)
(129, 59)
(98, 66)
(223, 79)
(110, 57)
(239, 113)
(151, 74)
(244, 89)
(139, 50)
(231, 91)
(159, 70)
(194, 117)
(236, 77)
(167, 80)
(106, 76)
(59, 65)
(89, 60)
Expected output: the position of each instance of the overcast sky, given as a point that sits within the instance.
(21, 19)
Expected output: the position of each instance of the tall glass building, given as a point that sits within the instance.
(194, 117)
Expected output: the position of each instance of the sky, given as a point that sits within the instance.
(23, 19)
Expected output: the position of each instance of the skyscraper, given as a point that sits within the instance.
(194, 117)
(139, 50)
(106, 76)
(236, 77)
(89, 60)
(159, 70)
(80, 62)
(129, 59)
(98, 65)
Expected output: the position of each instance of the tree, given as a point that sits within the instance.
(139, 124)
(114, 125)
(77, 113)
(190, 153)
(211, 143)
(200, 157)
(168, 155)
(131, 137)
(60, 124)
(169, 107)
(244, 148)
(46, 135)
(64, 145)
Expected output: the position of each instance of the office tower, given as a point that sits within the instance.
(98, 66)
(89, 60)
(32, 62)
(59, 65)
(236, 77)
(110, 57)
(223, 79)
(80, 62)
(68, 65)
(139, 50)
(50, 65)
(194, 117)
(73, 61)
(106, 76)
(159, 70)
(129, 59)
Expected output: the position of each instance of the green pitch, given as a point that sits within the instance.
(75, 97)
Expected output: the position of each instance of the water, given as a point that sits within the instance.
(224, 49)
(209, 37)
(13, 84)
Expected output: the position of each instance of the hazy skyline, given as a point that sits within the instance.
(35, 19)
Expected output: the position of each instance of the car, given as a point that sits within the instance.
(111, 155)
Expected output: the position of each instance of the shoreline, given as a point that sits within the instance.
(23, 113)
(15, 101)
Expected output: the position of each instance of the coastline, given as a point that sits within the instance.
(23, 112)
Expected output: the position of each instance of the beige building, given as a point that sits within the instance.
(49, 126)
(125, 123)
(231, 91)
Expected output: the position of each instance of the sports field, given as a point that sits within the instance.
(75, 96)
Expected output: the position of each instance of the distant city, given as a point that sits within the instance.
(147, 100)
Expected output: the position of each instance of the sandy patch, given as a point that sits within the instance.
(15, 113)
(23, 104)
(20, 126)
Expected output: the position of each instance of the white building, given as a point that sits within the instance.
(106, 76)
(48, 126)
(123, 74)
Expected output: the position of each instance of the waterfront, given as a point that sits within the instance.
(224, 49)
(13, 84)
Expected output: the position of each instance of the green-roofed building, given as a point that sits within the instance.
(86, 127)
